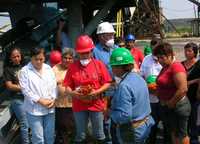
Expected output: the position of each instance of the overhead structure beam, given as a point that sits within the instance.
(195, 2)
(99, 16)
(75, 23)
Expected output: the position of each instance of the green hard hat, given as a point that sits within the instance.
(147, 50)
(151, 79)
(121, 56)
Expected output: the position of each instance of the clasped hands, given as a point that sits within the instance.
(91, 96)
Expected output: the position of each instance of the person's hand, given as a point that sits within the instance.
(171, 104)
(59, 82)
(75, 94)
(94, 94)
(48, 103)
(106, 113)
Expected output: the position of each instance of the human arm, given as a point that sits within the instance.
(12, 86)
(48, 103)
(99, 91)
(58, 33)
(180, 80)
(193, 81)
(72, 93)
(121, 110)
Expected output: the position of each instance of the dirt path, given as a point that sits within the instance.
(177, 43)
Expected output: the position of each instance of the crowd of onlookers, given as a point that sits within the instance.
(109, 89)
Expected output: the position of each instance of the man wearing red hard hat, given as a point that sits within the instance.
(86, 80)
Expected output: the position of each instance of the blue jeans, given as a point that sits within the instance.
(18, 109)
(43, 128)
(135, 135)
(81, 121)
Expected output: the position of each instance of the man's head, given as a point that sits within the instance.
(84, 47)
(121, 61)
(130, 41)
(105, 32)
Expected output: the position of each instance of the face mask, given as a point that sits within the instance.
(117, 79)
(110, 43)
(85, 62)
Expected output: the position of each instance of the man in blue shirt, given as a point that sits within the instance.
(105, 45)
(130, 107)
(102, 51)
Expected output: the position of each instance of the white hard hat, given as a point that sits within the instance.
(105, 27)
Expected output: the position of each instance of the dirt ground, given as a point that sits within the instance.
(177, 43)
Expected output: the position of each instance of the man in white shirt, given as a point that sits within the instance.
(151, 67)
(38, 84)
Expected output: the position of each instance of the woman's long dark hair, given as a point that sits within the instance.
(7, 60)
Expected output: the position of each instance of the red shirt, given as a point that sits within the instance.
(95, 74)
(138, 55)
(165, 81)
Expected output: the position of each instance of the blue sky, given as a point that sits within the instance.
(178, 8)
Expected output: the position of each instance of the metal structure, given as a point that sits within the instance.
(33, 23)
(81, 19)
(196, 22)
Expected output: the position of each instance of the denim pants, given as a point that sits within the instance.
(18, 109)
(42, 127)
(81, 121)
(135, 135)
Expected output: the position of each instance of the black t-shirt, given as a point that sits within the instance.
(193, 73)
(10, 73)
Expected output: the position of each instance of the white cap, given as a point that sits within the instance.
(105, 27)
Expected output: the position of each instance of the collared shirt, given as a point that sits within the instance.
(150, 67)
(102, 54)
(94, 74)
(131, 100)
(35, 86)
(10, 73)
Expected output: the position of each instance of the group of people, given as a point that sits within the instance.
(110, 89)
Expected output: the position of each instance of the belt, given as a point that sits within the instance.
(136, 124)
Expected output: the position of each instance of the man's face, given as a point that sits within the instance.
(103, 38)
(117, 70)
(86, 55)
(130, 44)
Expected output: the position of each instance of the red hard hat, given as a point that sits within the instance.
(84, 44)
(55, 57)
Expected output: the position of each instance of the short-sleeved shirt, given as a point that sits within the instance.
(138, 55)
(165, 81)
(95, 74)
(193, 73)
(10, 73)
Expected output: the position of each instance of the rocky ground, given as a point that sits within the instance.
(177, 43)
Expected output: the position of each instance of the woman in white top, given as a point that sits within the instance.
(38, 84)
